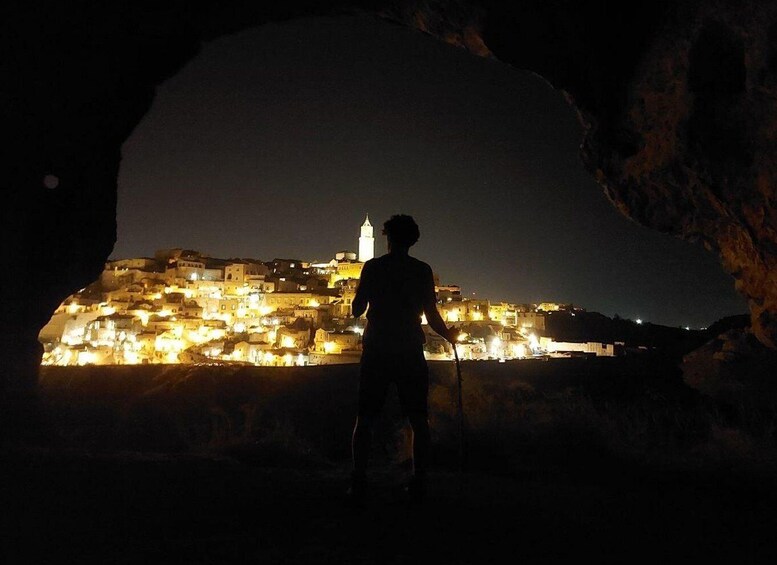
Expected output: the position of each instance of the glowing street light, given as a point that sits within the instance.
(287, 341)
(534, 343)
(519, 350)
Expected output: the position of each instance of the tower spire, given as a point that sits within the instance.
(366, 241)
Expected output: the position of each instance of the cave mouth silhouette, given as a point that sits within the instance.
(84, 87)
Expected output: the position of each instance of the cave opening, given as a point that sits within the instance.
(549, 234)
(276, 141)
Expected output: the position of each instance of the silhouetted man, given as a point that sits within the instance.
(399, 289)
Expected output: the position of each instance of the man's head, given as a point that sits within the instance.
(402, 231)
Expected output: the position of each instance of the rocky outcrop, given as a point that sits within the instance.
(734, 369)
(700, 160)
(678, 103)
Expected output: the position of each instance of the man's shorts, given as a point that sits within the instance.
(406, 368)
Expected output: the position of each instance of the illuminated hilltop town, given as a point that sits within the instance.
(182, 306)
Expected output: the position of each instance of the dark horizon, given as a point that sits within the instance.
(276, 142)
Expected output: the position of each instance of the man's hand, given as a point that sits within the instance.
(437, 324)
(451, 334)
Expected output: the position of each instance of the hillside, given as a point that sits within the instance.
(224, 464)
(673, 342)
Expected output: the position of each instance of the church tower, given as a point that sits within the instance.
(366, 242)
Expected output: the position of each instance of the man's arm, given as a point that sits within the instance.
(361, 299)
(437, 324)
(433, 315)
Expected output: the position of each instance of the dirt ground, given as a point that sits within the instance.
(568, 462)
(66, 507)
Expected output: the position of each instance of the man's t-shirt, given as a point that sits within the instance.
(396, 288)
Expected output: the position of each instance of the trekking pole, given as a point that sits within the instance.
(461, 419)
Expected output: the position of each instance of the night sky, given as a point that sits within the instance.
(275, 143)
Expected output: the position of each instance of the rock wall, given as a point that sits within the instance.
(678, 103)
(701, 159)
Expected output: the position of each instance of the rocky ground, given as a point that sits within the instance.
(608, 460)
(127, 508)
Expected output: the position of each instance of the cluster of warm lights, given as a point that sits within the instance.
(173, 334)
(495, 347)
(110, 332)
(186, 318)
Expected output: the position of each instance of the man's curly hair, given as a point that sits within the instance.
(401, 230)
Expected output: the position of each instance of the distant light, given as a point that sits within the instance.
(287, 341)
(51, 181)
(687, 328)
(639, 321)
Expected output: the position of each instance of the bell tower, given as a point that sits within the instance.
(366, 241)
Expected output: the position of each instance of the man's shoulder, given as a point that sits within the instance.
(373, 263)
(385, 262)
(374, 267)
(378, 262)
(421, 266)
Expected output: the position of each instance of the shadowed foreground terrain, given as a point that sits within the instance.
(609, 459)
